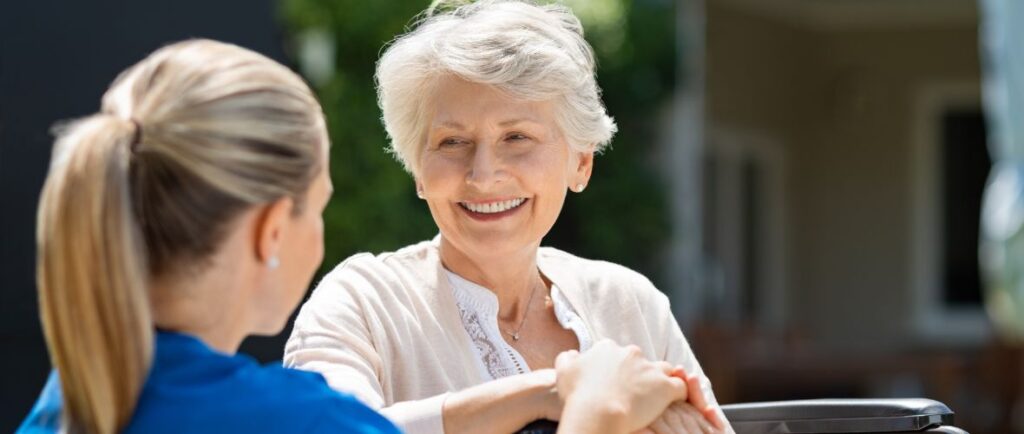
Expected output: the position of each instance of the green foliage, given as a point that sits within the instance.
(622, 215)
(374, 207)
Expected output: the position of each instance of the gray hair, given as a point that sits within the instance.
(534, 52)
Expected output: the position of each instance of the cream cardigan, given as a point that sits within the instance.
(386, 328)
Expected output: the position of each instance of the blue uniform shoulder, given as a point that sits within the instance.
(196, 390)
(255, 399)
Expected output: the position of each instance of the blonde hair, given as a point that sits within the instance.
(185, 140)
(534, 52)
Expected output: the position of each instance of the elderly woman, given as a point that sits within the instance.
(494, 109)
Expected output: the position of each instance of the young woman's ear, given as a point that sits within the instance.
(270, 230)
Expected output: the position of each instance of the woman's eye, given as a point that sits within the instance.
(516, 137)
(451, 141)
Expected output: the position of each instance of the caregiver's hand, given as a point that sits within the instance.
(692, 416)
(613, 389)
(682, 418)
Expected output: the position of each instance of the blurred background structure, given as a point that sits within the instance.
(845, 163)
(803, 177)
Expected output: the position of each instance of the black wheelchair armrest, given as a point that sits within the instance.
(824, 416)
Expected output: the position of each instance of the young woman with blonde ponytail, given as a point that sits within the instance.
(185, 216)
(177, 221)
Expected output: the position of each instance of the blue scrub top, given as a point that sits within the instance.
(192, 388)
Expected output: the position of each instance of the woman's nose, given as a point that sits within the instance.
(486, 168)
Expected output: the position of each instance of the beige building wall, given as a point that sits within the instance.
(840, 105)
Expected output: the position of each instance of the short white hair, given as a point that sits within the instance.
(534, 52)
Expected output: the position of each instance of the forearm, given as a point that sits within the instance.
(582, 417)
(502, 406)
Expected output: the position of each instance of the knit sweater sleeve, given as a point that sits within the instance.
(670, 336)
(336, 334)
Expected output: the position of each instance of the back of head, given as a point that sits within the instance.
(185, 141)
(531, 51)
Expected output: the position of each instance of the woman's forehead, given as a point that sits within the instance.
(458, 103)
(530, 119)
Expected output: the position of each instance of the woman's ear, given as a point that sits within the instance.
(419, 189)
(271, 227)
(583, 168)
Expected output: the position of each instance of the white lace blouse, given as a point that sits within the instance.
(478, 308)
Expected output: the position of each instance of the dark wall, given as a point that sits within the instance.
(56, 59)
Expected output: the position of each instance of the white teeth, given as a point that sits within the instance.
(493, 207)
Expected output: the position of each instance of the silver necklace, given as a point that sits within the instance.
(515, 335)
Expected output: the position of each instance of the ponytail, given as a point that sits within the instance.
(91, 273)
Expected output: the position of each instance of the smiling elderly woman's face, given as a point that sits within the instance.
(495, 169)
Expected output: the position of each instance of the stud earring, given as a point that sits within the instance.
(273, 263)
(579, 188)
(419, 193)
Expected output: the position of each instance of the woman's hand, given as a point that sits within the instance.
(693, 416)
(548, 405)
(683, 418)
(613, 389)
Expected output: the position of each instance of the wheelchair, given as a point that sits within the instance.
(827, 416)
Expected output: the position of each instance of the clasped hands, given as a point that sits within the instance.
(622, 392)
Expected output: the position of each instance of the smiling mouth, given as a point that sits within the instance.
(498, 207)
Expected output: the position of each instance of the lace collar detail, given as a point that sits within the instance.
(478, 308)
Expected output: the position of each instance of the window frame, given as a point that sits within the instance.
(933, 320)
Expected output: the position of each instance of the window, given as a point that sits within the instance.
(950, 168)
(744, 230)
(965, 168)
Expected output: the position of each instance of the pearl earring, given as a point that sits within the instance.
(579, 188)
(419, 193)
(273, 263)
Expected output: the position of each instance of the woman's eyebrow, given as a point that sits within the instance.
(515, 121)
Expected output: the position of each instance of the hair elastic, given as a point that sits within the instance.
(137, 136)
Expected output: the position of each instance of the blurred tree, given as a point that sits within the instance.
(621, 217)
